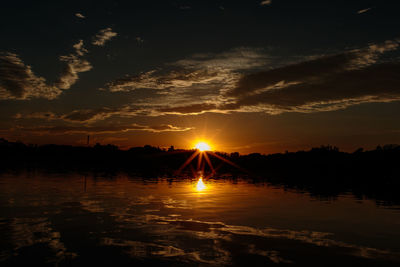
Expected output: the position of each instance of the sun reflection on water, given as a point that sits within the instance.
(200, 186)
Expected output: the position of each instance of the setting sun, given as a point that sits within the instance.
(202, 146)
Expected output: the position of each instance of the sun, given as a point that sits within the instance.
(202, 146)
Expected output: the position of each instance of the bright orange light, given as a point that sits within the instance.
(200, 185)
(202, 146)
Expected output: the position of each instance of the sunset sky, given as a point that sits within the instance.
(247, 76)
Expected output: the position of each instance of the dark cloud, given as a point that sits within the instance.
(82, 115)
(17, 80)
(88, 115)
(189, 109)
(198, 71)
(321, 84)
(74, 66)
(103, 129)
(315, 69)
(377, 83)
(298, 72)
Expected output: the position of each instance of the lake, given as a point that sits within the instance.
(54, 219)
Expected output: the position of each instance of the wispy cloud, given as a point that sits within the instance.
(79, 48)
(103, 129)
(198, 70)
(17, 80)
(84, 116)
(325, 83)
(69, 76)
(364, 10)
(377, 83)
(312, 70)
(37, 115)
(103, 36)
(197, 79)
(266, 3)
(75, 64)
(242, 80)
(80, 15)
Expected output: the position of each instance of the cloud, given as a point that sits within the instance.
(17, 80)
(321, 84)
(364, 10)
(266, 3)
(237, 59)
(103, 36)
(74, 66)
(371, 54)
(38, 115)
(90, 116)
(103, 129)
(174, 79)
(314, 69)
(251, 80)
(200, 69)
(79, 49)
(243, 80)
(102, 113)
(82, 115)
(190, 109)
(201, 78)
(377, 83)
(79, 15)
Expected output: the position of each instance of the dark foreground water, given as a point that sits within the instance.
(73, 220)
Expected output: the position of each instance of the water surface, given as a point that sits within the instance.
(74, 219)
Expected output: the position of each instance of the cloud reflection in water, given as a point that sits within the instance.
(223, 224)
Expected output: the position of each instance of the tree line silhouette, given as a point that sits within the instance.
(324, 171)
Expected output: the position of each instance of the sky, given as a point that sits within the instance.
(248, 76)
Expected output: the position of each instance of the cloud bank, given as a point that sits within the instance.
(250, 80)
(324, 83)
